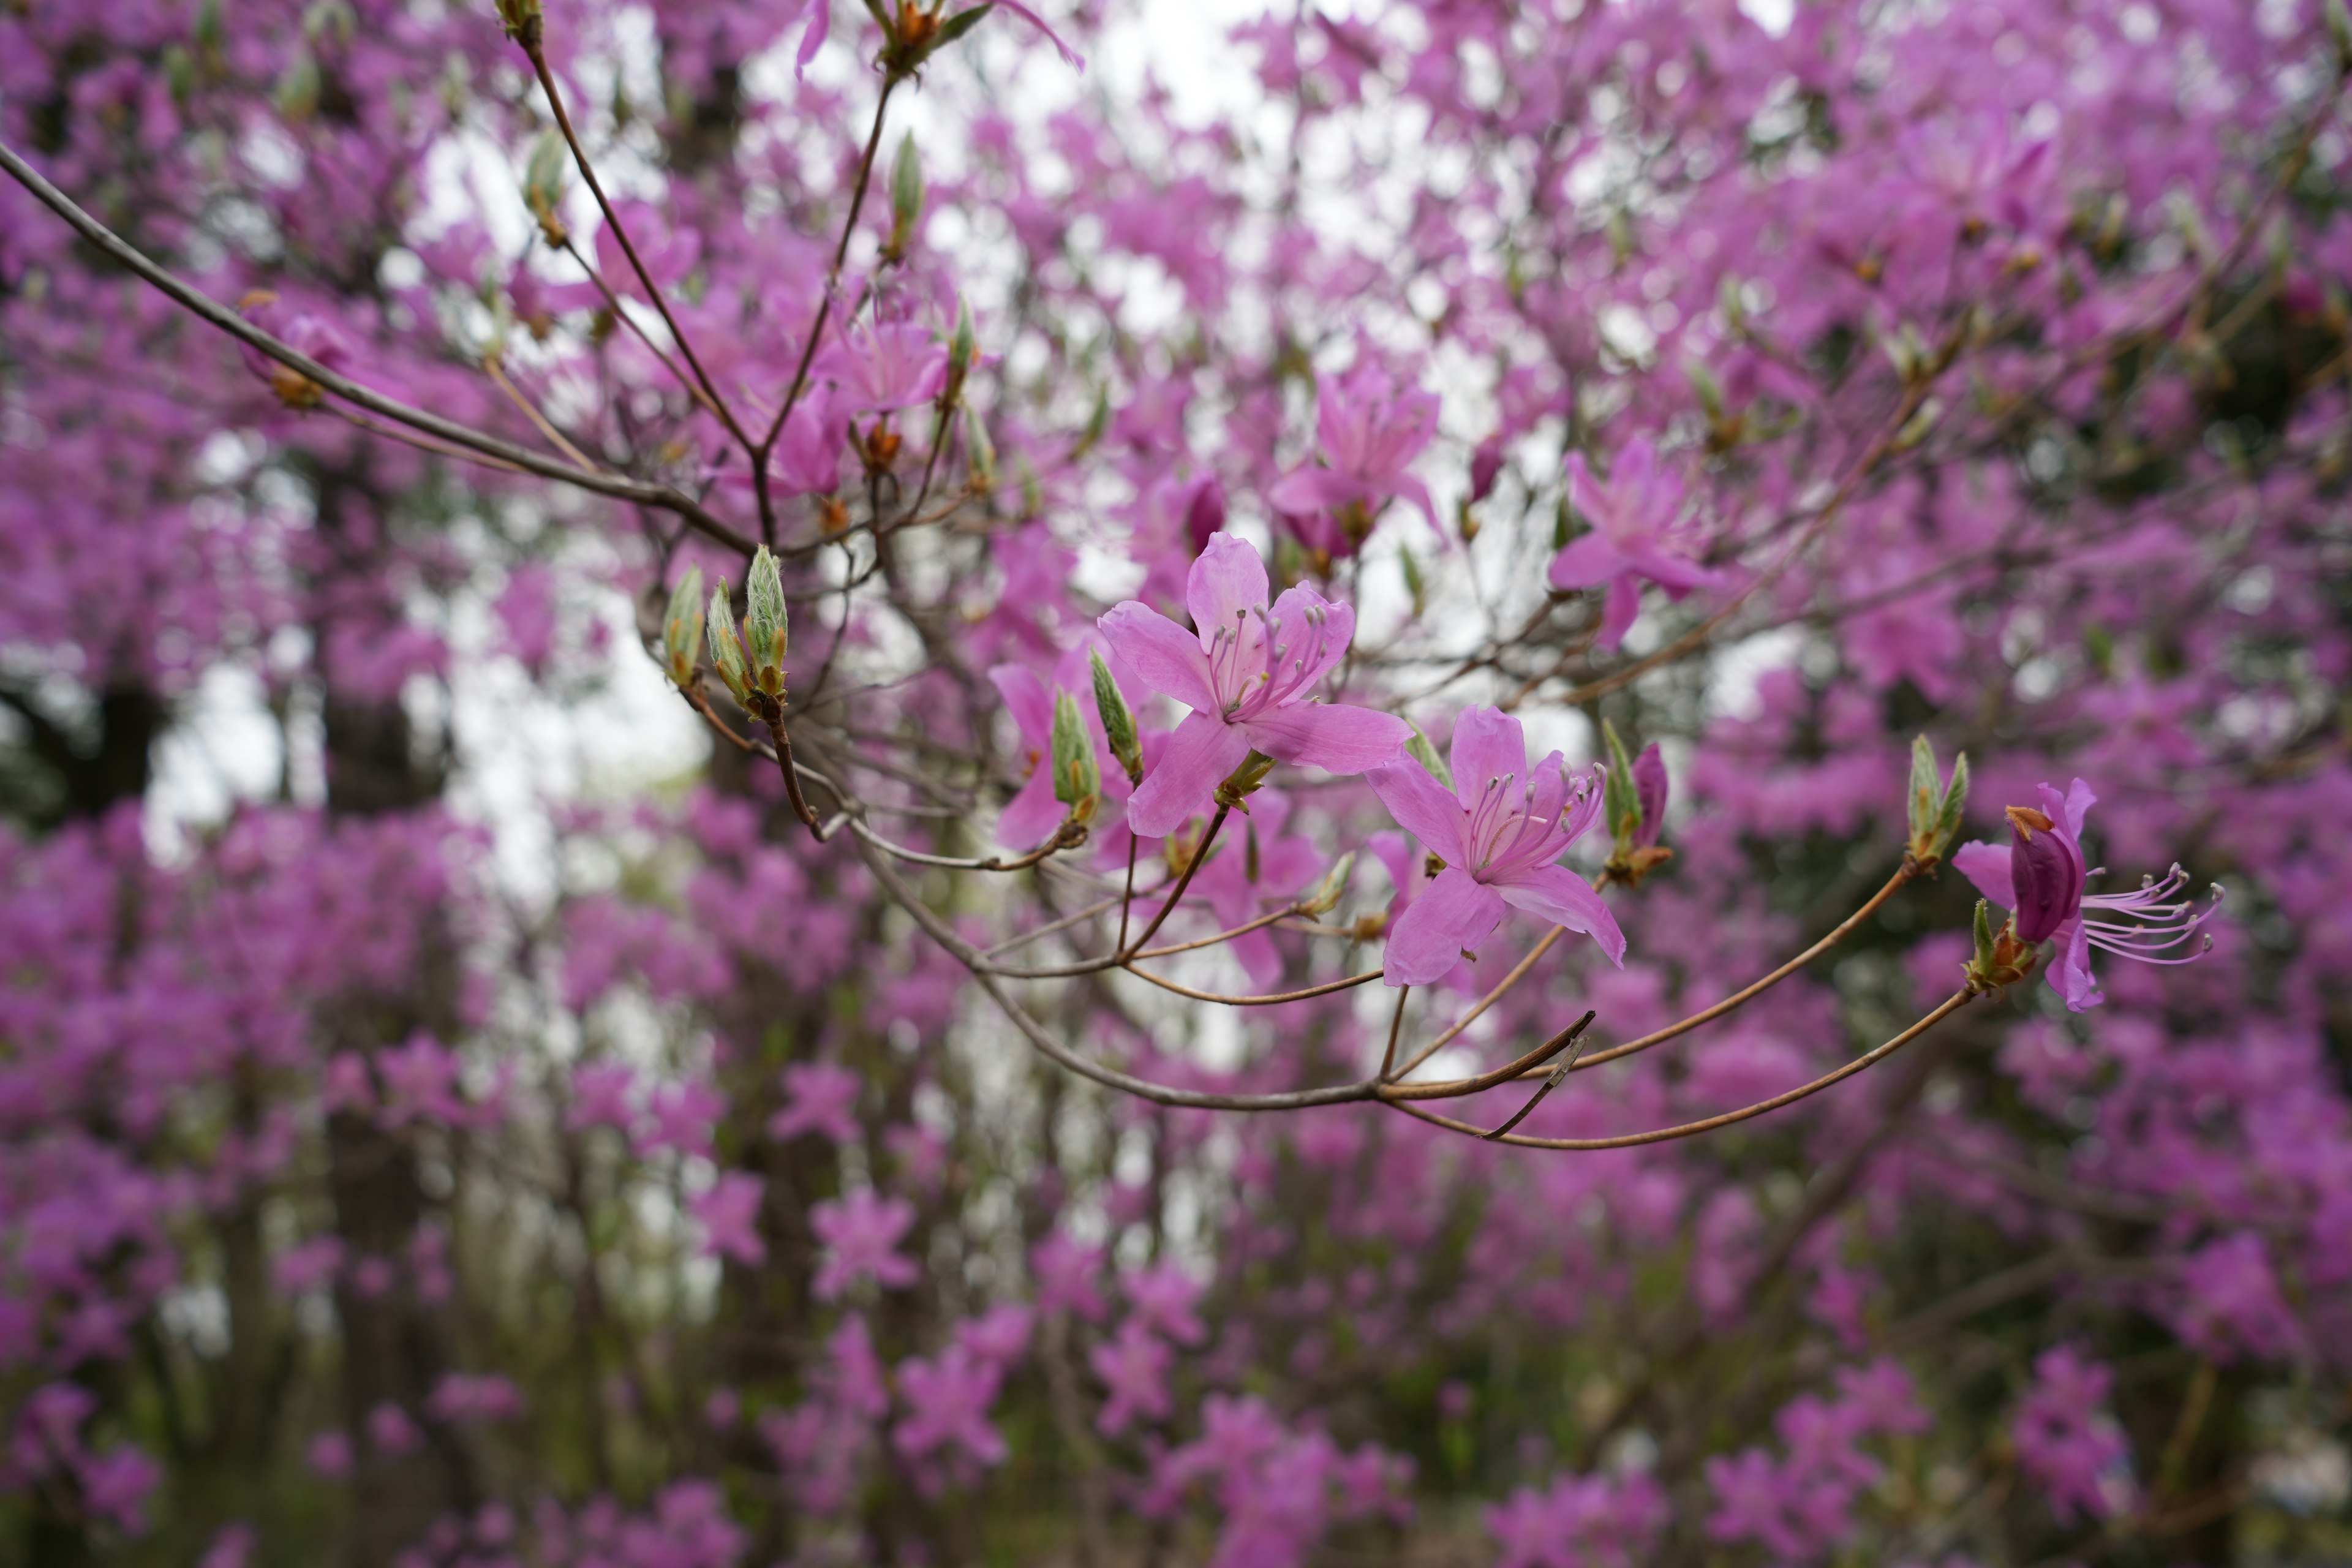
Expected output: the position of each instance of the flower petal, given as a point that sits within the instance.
(1987, 865)
(1336, 739)
(1202, 751)
(1423, 807)
(1624, 604)
(1026, 699)
(1163, 654)
(1560, 896)
(2071, 971)
(2079, 801)
(1317, 490)
(1227, 581)
(1589, 561)
(1033, 814)
(1454, 913)
(1488, 744)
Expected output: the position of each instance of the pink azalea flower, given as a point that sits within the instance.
(1501, 844)
(823, 1102)
(1248, 676)
(1633, 518)
(1241, 879)
(1368, 429)
(1133, 1365)
(861, 1233)
(729, 1215)
(2041, 876)
(876, 369)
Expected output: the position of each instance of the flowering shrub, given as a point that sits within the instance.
(1151, 621)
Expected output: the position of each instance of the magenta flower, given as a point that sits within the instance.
(1501, 845)
(729, 1217)
(823, 1100)
(2041, 876)
(1241, 879)
(861, 1233)
(1248, 676)
(1133, 1366)
(1367, 429)
(1633, 537)
(948, 1399)
(877, 369)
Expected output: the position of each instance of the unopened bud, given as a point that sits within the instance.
(524, 21)
(682, 628)
(765, 625)
(1330, 889)
(1244, 779)
(1486, 467)
(1077, 773)
(1421, 752)
(979, 450)
(297, 93)
(906, 196)
(726, 647)
(1619, 801)
(1916, 429)
(2046, 874)
(1117, 719)
(543, 181)
(1935, 808)
(2000, 960)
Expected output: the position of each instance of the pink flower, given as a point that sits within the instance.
(1241, 878)
(948, 1399)
(1368, 429)
(729, 1215)
(823, 1102)
(1501, 845)
(2067, 1442)
(1249, 688)
(2041, 876)
(877, 369)
(861, 1233)
(1632, 517)
(1134, 1367)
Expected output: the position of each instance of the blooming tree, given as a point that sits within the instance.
(1079, 1060)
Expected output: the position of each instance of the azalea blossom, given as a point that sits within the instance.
(2039, 875)
(1633, 519)
(1500, 841)
(1248, 674)
(877, 369)
(1368, 429)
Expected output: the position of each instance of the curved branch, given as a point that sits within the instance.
(1712, 1123)
(474, 442)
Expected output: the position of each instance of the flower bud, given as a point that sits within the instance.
(1244, 779)
(765, 625)
(543, 183)
(1205, 514)
(2001, 959)
(524, 21)
(1649, 791)
(726, 647)
(906, 196)
(1486, 467)
(2046, 873)
(981, 450)
(1620, 799)
(1117, 719)
(1078, 774)
(1330, 889)
(682, 630)
(1935, 808)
